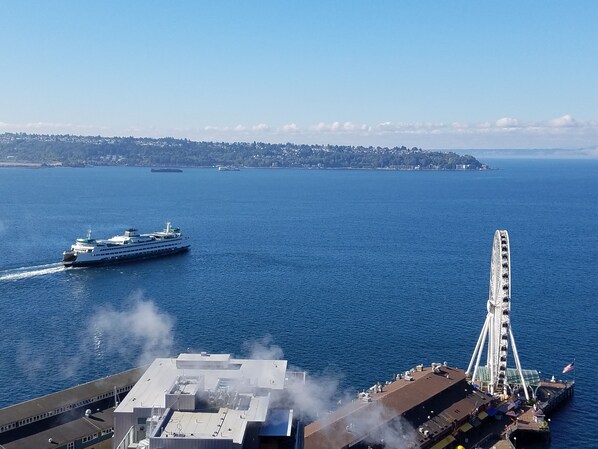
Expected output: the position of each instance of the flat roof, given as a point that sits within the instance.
(341, 428)
(227, 423)
(224, 425)
(240, 374)
(67, 432)
(150, 389)
(69, 396)
(201, 359)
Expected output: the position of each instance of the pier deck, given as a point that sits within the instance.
(532, 423)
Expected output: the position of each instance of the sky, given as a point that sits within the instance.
(448, 75)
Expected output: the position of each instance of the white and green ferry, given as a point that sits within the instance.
(123, 248)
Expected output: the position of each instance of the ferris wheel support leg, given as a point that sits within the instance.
(477, 346)
(479, 349)
(516, 356)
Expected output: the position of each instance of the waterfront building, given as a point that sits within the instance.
(213, 401)
(76, 418)
(425, 407)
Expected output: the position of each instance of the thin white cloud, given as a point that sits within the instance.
(339, 127)
(290, 128)
(507, 122)
(564, 121)
(260, 127)
(320, 127)
(384, 126)
(505, 132)
(49, 128)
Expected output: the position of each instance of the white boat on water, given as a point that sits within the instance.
(130, 246)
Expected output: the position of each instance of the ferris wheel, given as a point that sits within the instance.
(497, 327)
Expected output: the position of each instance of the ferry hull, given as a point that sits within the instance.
(71, 261)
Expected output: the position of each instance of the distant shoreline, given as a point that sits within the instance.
(75, 151)
(38, 165)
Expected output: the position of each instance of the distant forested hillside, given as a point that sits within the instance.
(70, 150)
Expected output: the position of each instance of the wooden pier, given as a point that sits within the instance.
(532, 424)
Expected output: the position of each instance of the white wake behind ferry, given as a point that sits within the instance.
(130, 246)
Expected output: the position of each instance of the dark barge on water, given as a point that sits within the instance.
(166, 170)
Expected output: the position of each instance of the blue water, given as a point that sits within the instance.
(354, 274)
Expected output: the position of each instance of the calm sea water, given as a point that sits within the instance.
(354, 274)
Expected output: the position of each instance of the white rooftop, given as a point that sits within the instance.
(244, 374)
(194, 386)
(227, 424)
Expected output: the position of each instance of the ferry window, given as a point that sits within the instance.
(71, 445)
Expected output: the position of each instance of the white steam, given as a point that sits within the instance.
(309, 400)
(263, 349)
(141, 332)
(320, 394)
(134, 334)
(315, 398)
(383, 427)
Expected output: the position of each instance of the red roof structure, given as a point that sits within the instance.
(432, 405)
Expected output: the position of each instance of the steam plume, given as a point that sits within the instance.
(141, 332)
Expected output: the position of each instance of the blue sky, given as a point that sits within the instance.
(432, 74)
